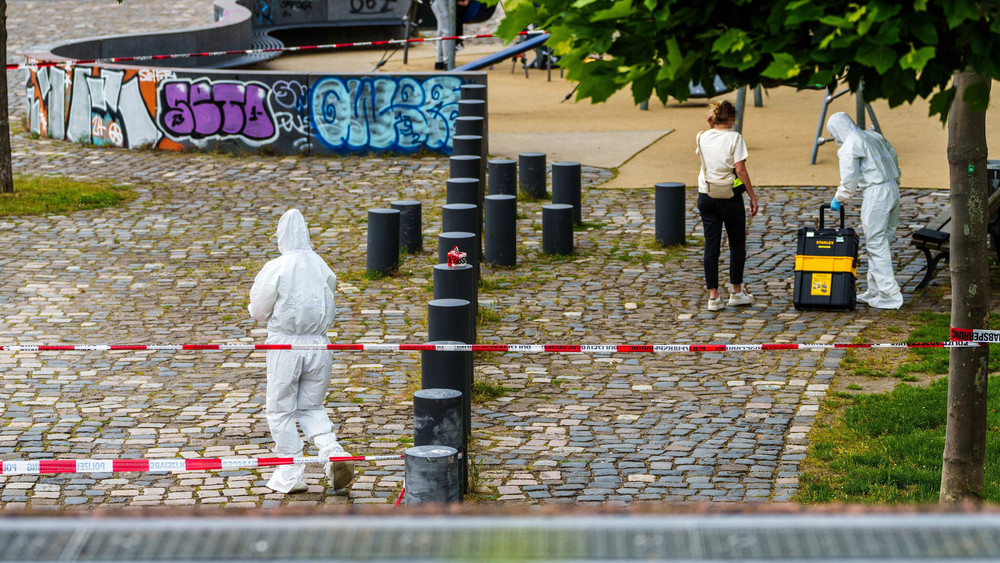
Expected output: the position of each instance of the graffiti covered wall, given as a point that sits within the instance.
(291, 114)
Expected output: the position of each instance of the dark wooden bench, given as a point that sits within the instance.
(934, 239)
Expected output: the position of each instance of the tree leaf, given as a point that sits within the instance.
(801, 12)
(916, 59)
(620, 9)
(878, 56)
(730, 41)
(957, 12)
(940, 103)
(782, 67)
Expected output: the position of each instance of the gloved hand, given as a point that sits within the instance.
(835, 205)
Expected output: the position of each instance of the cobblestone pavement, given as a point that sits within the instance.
(175, 266)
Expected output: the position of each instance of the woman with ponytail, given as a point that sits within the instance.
(721, 183)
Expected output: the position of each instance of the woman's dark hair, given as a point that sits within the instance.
(721, 113)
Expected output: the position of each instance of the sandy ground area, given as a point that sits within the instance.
(529, 114)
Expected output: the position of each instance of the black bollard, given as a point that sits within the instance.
(454, 319)
(479, 92)
(465, 241)
(468, 144)
(500, 230)
(531, 174)
(411, 238)
(431, 475)
(471, 108)
(462, 190)
(502, 174)
(438, 421)
(461, 217)
(557, 228)
(449, 370)
(566, 180)
(473, 92)
(466, 166)
(457, 282)
(450, 319)
(469, 125)
(383, 241)
(670, 210)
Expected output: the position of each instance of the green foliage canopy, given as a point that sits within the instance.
(900, 50)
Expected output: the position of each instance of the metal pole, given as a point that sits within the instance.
(449, 45)
(741, 104)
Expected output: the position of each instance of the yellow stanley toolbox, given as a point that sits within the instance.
(826, 266)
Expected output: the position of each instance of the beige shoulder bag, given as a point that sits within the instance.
(715, 191)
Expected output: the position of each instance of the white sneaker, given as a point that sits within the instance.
(715, 304)
(741, 298)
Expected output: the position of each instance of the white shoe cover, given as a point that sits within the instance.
(287, 477)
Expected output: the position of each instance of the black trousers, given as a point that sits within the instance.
(716, 213)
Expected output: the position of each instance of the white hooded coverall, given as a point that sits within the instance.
(293, 294)
(869, 162)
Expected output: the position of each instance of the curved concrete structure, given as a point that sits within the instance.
(171, 105)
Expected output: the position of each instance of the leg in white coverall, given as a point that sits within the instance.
(880, 229)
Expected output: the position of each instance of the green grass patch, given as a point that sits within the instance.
(925, 327)
(487, 391)
(886, 448)
(59, 195)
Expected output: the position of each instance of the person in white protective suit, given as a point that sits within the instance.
(293, 294)
(868, 162)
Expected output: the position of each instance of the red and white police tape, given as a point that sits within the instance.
(41, 64)
(46, 466)
(523, 348)
(975, 335)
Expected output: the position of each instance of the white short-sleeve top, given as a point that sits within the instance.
(721, 149)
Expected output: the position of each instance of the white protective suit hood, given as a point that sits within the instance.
(840, 125)
(293, 235)
(294, 293)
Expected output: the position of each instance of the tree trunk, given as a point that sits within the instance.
(6, 166)
(965, 440)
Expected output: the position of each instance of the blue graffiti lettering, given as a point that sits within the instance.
(404, 114)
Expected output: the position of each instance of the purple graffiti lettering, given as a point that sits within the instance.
(178, 118)
(207, 117)
(259, 123)
(205, 109)
(231, 96)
